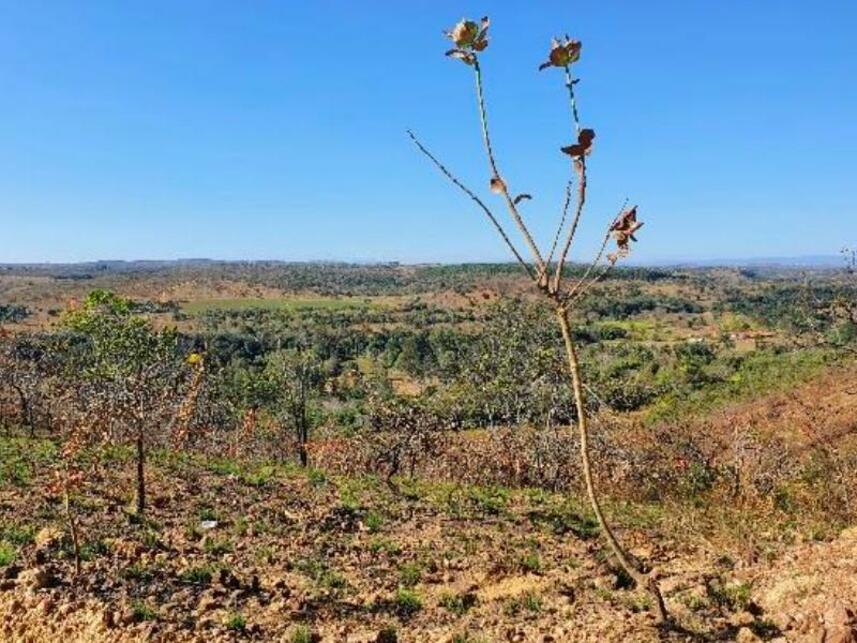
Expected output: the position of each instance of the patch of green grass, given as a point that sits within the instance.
(7, 553)
(258, 477)
(733, 596)
(407, 602)
(531, 562)
(316, 477)
(224, 467)
(18, 535)
(286, 304)
(458, 604)
(526, 602)
(142, 612)
(15, 473)
(755, 374)
(490, 501)
(379, 545)
(374, 522)
(410, 574)
(216, 547)
(151, 539)
(139, 572)
(236, 622)
(241, 526)
(264, 555)
(349, 499)
(320, 572)
(198, 574)
(207, 513)
(301, 634)
(695, 603)
(92, 549)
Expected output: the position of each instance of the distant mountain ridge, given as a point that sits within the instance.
(803, 261)
(136, 265)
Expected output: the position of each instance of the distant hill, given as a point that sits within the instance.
(143, 265)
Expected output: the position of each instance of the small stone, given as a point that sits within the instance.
(746, 635)
(208, 603)
(741, 618)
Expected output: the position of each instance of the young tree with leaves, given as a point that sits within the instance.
(549, 276)
(130, 374)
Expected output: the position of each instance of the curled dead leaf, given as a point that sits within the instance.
(623, 230)
(583, 145)
(465, 57)
(562, 53)
(522, 197)
(469, 36)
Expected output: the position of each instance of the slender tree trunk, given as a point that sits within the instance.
(26, 411)
(72, 526)
(642, 580)
(141, 479)
(302, 451)
(303, 422)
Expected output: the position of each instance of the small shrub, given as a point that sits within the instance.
(241, 526)
(531, 562)
(409, 574)
(197, 575)
(142, 612)
(260, 477)
(374, 522)
(93, 549)
(385, 545)
(387, 635)
(491, 501)
(301, 634)
(528, 601)
(265, 555)
(407, 602)
(151, 539)
(734, 597)
(236, 622)
(18, 536)
(316, 478)
(206, 514)
(7, 554)
(216, 547)
(137, 572)
(458, 604)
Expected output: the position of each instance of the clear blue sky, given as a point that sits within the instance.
(275, 129)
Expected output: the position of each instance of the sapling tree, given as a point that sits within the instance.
(296, 378)
(547, 268)
(131, 375)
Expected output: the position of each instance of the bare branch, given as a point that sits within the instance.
(570, 297)
(559, 229)
(580, 166)
(495, 173)
(440, 166)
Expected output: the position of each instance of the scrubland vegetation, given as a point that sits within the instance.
(441, 497)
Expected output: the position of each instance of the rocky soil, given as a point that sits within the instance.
(229, 552)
